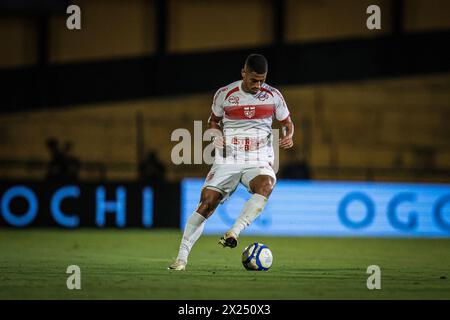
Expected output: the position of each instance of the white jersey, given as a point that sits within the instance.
(247, 121)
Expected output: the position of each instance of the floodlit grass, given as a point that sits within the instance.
(132, 264)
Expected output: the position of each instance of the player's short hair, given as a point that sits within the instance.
(256, 63)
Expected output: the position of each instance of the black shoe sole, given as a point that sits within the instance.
(231, 242)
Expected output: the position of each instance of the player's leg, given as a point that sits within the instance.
(209, 200)
(220, 182)
(260, 182)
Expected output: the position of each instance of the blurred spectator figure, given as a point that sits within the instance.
(71, 162)
(296, 168)
(151, 169)
(62, 165)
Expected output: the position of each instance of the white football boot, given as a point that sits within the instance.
(178, 265)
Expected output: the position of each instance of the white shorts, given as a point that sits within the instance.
(225, 178)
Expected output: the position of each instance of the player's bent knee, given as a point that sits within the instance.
(265, 188)
(204, 209)
(208, 203)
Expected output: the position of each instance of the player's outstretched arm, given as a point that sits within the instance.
(286, 141)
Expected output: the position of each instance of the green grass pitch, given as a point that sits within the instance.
(131, 264)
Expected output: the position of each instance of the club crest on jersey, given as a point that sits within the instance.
(249, 112)
(233, 100)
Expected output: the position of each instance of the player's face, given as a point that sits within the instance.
(252, 81)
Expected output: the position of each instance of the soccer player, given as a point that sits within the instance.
(243, 112)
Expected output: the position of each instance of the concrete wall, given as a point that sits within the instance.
(397, 123)
(117, 28)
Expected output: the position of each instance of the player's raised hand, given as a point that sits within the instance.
(286, 142)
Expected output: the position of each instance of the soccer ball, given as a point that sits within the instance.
(257, 257)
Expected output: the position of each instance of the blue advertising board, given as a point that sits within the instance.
(76, 205)
(322, 208)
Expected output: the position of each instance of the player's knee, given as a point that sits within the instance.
(264, 188)
(207, 206)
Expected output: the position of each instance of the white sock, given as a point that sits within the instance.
(192, 231)
(252, 209)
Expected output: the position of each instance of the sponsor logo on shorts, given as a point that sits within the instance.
(209, 176)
